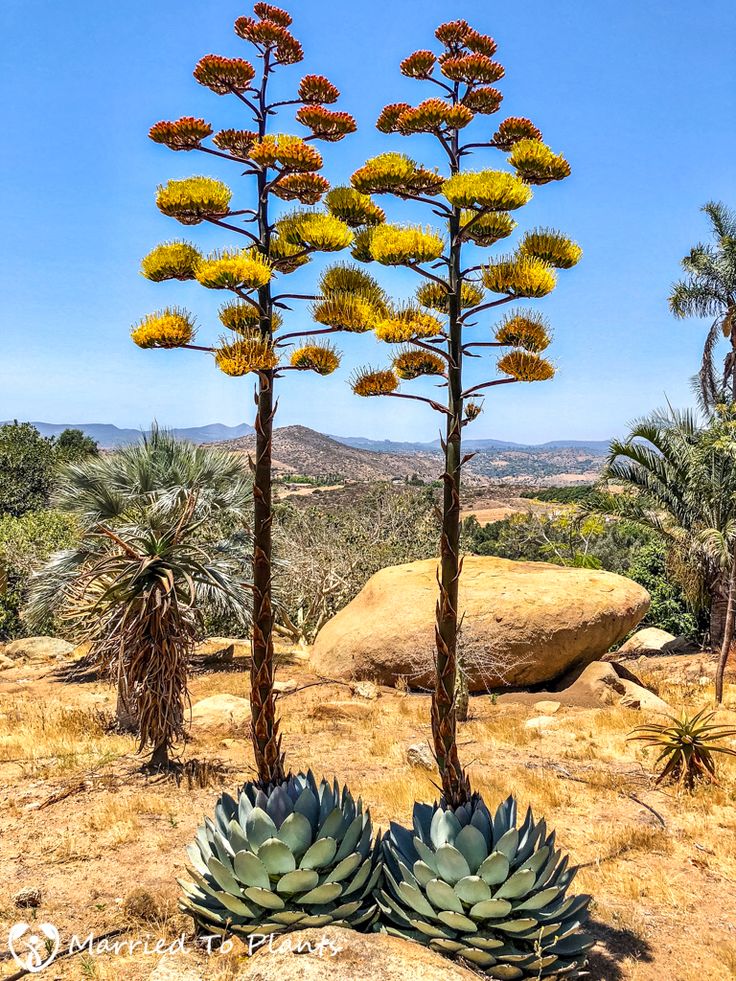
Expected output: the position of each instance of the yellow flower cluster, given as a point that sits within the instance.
(244, 356)
(524, 328)
(347, 278)
(194, 199)
(526, 367)
(496, 190)
(320, 358)
(395, 173)
(286, 256)
(414, 363)
(290, 151)
(367, 382)
(486, 228)
(243, 269)
(434, 296)
(551, 247)
(395, 245)
(167, 328)
(354, 208)
(346, 311)
(171, 260)
(244, 318)
(535, 163)
(519, 276)
(305, 188)
(409, 323)
(316, 231)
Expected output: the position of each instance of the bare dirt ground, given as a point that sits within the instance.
(82, 824)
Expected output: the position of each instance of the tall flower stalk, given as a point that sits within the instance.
(475, 209)
(280, 167)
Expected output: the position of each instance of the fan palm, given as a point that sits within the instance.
(681, 482)
(152, 554)
(709, 290)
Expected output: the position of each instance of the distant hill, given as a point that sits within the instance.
(108, 436)
(596, 447)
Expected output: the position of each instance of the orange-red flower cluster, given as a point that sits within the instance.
(419, 65)
(269, 34)
(306, 188)
(266, 11)
(432, 115)
(471, 68)
(481, 43)
(224, 75)
(235, 141)
(316, 88)
(512, 130)
(183, 134)
(454, 32)
(389, 117)
(325, 124)
(485, 100)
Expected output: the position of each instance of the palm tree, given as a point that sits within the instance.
(136, 594)
(710, 291)
(681, 481)
(152, 554)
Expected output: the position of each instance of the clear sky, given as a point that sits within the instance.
(640, 96)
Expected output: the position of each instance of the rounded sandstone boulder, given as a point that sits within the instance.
(523, 623)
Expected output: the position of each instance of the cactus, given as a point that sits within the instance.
(476, 887)
(290, 856)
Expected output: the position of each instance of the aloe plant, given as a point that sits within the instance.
(474, 886)
(686, 746)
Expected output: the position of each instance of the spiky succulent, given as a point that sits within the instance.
(474, 886)
(291, 856)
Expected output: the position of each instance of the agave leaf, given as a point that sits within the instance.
(504, 972)
(264, 898)
(472, 845)
(495, 869)
(451, 864)
(444, 829)
(486, 941)
(236, 905)
(415, 899)
(391, 908)
(426, 854)
(489, 909)
(515, 926)
(422, 816)
(250, 870)
(277, 857)
(195, 858)
(482, 822)
(539, 900)
(537, 860)
(446, 946)
(236, 837)
(475, 956)
(223, 876)
(301, 880)
(423, 873)
(429, 929)
(516, 885)
(319, 920)
(575, 945)
(244, 809)
(458, 921)
(308, 805)
(288, 917)
(472, 889)
(326, 893)
(351, 838)
(296, 832)
(442, 896)
(259, 828)
(345, 868)
(361, 878)
(320, 854)
(507, 844)
(345, 910)
(333, 825)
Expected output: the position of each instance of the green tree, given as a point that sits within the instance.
(474, 208)
(72, 445)
(680, 480)
(26, 469)
(279, 168)
(709, 290)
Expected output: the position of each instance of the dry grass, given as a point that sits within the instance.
(664, 898)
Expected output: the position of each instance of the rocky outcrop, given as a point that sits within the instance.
(523, 623)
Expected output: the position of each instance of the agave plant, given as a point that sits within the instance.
(474, 886)
(686, 746)
(290, 856)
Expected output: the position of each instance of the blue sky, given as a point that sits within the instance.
(640, 97)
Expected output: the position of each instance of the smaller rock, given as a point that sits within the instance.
(546, 707)
(284, 687)
(220, 710)
(636, 697)
(419, 754)
(28, 898)
(543, 724)
(6, 662)
(37, 649)
(216, 645)
(652, 640)
(365, 689)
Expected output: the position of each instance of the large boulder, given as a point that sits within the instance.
(337, 954)
(37, 649)
(523, 623)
